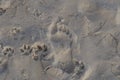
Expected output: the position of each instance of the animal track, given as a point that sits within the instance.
(35, 9)
(15, 30)
(26, 49)
(8, 51)
(39, 50)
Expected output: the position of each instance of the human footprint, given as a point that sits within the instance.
(62, 40)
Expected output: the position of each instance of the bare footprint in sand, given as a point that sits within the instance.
(61, 39)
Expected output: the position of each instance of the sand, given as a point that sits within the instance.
(59, 39)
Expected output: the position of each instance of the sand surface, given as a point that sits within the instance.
(59, 39)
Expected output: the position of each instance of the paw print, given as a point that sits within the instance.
(39, 50)
(15, 30)
(8, 51)
(39, 47)
(25, 49)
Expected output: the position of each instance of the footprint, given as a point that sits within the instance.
(8, 51)
(15, 30)
(60, 35)
(39, 50)
(25, 49)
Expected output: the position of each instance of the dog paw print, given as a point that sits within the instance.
(25, 49)
(39, 50)
(8, 51)
(39, 47)
(15, 30)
